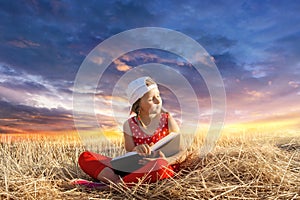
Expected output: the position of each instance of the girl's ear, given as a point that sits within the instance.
(137, 110)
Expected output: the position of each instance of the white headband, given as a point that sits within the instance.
(137, 88)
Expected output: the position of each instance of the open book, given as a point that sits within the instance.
(128, 162)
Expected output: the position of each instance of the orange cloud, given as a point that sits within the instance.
(121, 66)
(97, 60)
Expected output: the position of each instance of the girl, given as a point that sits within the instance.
(149, 124)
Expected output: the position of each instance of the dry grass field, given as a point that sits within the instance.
(252, 167)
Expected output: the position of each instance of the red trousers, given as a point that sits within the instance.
(92, 164)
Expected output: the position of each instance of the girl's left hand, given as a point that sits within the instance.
(157, 154)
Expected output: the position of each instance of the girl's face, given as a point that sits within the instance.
(151, 102)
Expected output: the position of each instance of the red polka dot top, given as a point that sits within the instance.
(140, 137)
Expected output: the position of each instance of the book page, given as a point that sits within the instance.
(155, 147)
(163, 141)
(125, 155)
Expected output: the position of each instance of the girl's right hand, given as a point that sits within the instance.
(143, 149)
(156, 155)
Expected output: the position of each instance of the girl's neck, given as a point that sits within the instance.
(146, 119)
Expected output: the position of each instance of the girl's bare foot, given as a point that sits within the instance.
(89, 184)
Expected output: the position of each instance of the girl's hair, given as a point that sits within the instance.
(136, 106)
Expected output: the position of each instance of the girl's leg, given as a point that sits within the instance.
(107, 174)
(97, 166)
(151, 172)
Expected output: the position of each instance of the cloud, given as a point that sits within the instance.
(228, 66)
(97, 60)
(121, 66)
(27, 86)
(254, 95)
(21, 118)
(254, 44)
(34, 90)
(65, 37)
(60, 34)
(23, 43)
(216, 44)
(294, 84)
(259, 70)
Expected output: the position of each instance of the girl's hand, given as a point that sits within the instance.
(143, 149)
(156, 155)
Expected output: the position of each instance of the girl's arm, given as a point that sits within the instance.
(128, 141)
(143, 149)
(178, 157)
(181, 155)
(173, 126)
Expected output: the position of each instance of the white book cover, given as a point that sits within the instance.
(128, 162)
(154, 147)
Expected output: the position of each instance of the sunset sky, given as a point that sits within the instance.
(254, 44)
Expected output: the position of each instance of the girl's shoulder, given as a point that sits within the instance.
(130, 122)
(126, 127)
(173, 126)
